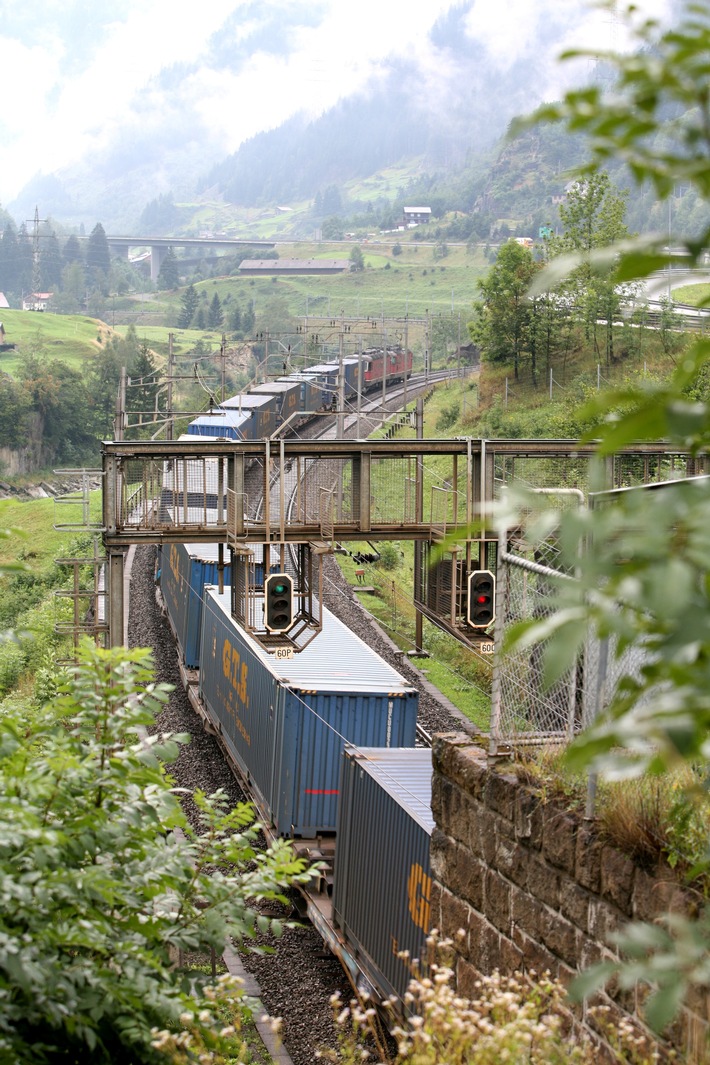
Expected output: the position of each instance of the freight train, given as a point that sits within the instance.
(294, 399)
(323, 743)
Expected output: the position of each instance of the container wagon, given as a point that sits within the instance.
(287, 395)
(283, 722)
(310, 399)
(263, 410)
(184, 571)
(228, 422)
(328, 374)
(382, 875)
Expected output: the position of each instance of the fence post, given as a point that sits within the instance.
(498, 632)
(602, 666)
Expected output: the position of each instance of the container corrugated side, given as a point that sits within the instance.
(240, 696)
(185, 570)
(230, 423)
(382, 873)
(174, 582)
(262, 411)
(286, 720)
(309, 391)
(286, 393)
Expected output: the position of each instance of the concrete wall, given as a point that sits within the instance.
(533, 887)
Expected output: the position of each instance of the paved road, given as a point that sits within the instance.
(658, 285)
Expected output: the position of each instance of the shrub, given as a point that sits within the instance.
(12, 661)
(448, 417)
(101, 890)
(390, 557)
(521, 1020)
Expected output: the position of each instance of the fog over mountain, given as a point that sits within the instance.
(262, 101)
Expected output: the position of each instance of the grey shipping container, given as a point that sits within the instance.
(310, 391)
(284, 721)
(185, 569)
(382, 875)
(287, 393)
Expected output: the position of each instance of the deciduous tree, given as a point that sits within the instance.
(101, 891)
(503, 327)
(644, 575)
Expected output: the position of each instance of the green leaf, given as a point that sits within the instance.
(591, 980)
(664, 1004)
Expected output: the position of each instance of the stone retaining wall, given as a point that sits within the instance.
(532, 886)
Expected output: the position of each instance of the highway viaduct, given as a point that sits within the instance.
(120, 247)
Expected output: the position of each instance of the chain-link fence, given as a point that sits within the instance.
(526, 710)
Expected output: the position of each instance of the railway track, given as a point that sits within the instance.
(297, 983)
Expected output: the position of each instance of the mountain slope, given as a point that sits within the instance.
(446, 100)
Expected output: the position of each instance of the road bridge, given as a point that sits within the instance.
(120, 247)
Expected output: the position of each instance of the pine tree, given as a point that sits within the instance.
(144, 386)
(8, 259)
(249, 319)
(235, 320)
(25, 261)
(215, 316)
(50, 263)
(71, 252)
(97, 252)
(189, 306)
(169, 276)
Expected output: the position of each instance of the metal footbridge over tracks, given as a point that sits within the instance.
(299, 491)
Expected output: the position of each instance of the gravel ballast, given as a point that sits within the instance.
(297, 981)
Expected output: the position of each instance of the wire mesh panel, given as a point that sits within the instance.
(574, 471)
(528, 710)
(307, 479)
(534, 472)
(393, 498)
(192, 492)
(445, 490)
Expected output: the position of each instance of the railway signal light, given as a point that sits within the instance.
(480, 604)
(278, 602)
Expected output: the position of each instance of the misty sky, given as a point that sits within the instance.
(79, 74)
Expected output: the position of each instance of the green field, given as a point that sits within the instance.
(71, 338)
(286, 220)
(415, 284)
(32, 533)
(695, 295)
(421, 283)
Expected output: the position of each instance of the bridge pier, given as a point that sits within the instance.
(157, 256)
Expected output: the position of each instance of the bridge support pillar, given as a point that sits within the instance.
(157, 254)
(116, 599)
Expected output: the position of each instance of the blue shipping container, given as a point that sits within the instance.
(287, 395)
(382, 875)
(284, 722)
(185, 569)
(231, 423)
